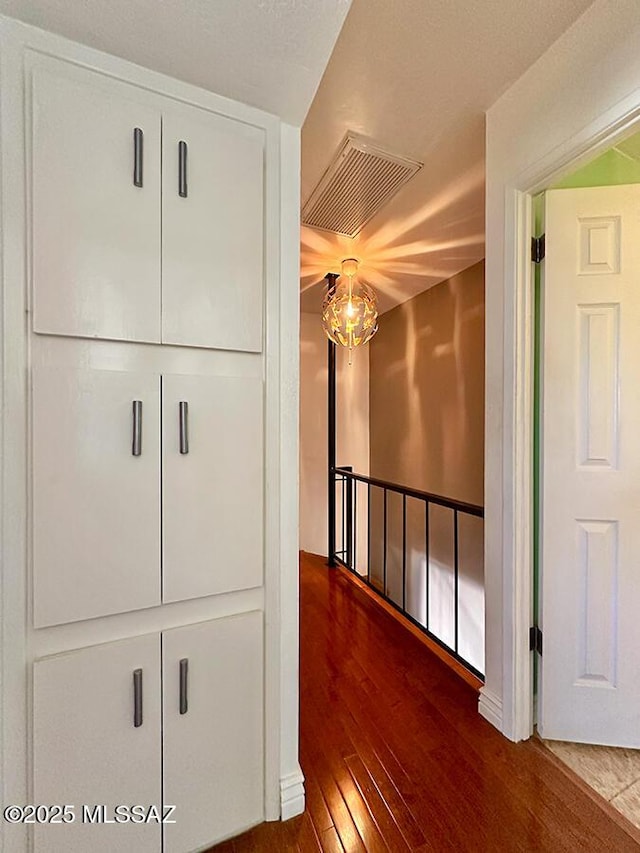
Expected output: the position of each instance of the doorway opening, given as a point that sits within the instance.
(404, 463)
(585, 466)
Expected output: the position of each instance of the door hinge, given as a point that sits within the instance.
(535, 639)
(537, 249)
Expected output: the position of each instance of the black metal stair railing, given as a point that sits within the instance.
(346, 552)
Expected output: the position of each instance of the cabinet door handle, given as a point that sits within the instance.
(184, 685)
(137, 697)
(184, 428)
(182, 169)
(138, 143)
(136, 443)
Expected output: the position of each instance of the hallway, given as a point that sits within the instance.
(396, 757)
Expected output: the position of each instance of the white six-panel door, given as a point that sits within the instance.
(590, 689)
(95, 234)
(87, 748)
(212, 234)
(212, 486)
(96, 505)
(213, 742)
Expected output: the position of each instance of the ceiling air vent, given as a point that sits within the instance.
(361, 179)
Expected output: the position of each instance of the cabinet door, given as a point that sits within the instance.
(95, 233)
(212, 231)
(87, 748)
(213, 489)
(213, 738)
(96, 505)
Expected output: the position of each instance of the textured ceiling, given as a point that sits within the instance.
(266, 53)
(413, 75)
(417, 77)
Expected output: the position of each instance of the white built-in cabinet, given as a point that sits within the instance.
(171, 719)
(89, 750)
(148, 215)
(212, 234)
(135, 503)
(147, 246)
(212, 485)
(96, 506)
(95, 235)
(213, 742)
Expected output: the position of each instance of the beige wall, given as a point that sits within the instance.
(426, 431)
(352, 428)
(427, 390)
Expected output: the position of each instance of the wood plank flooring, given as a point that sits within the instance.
(396, 757)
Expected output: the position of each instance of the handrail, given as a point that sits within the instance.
(439, 500)
(347, 555)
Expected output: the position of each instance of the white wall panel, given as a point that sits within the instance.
(599, 245)
(598, 573)
(597, 411)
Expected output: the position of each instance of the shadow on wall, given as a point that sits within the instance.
(427, 432)
(427, 390)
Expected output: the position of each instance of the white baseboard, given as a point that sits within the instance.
(490, 707)
(291, 795)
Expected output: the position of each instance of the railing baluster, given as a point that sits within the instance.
(349, 522)
(354, 487)
(369, 532)
(344, 518)
(427, 566)
(384, 546)
(347, 518)
(404, 552)
(455, 573)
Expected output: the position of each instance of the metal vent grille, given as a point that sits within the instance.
(361, 179)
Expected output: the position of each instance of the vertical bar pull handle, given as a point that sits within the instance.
(184, 428)
(138, 143)
(137, 698)
(182, 169)
(136, 443)
(184, 685)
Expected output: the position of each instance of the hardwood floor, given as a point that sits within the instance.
(396, 757)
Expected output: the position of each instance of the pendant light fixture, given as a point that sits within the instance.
(350, 309)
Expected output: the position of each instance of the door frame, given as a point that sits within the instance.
(518, 585)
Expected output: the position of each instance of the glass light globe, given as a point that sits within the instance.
(350, 309)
